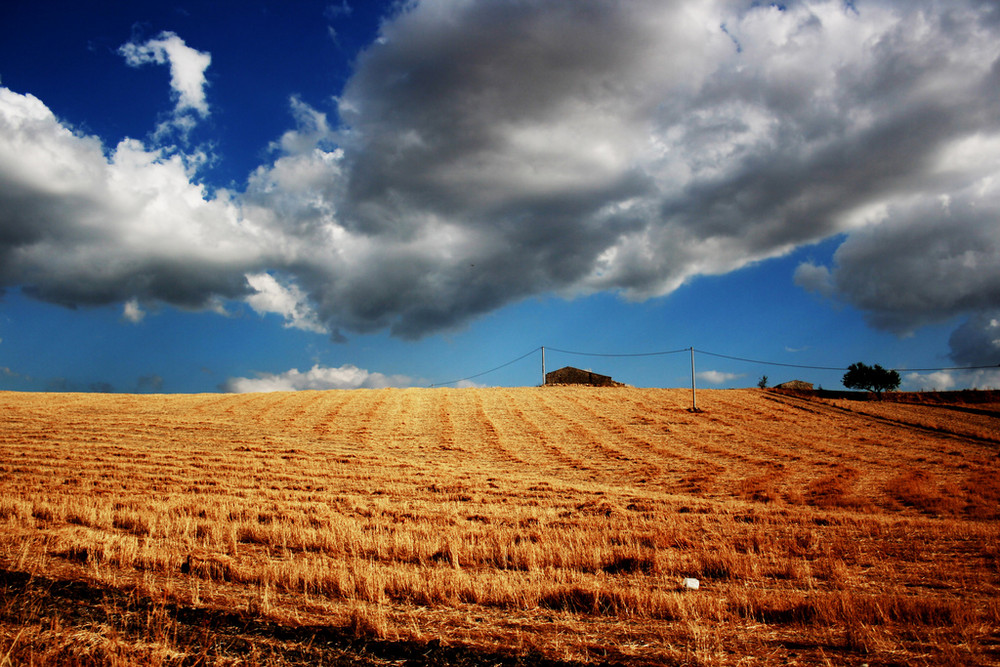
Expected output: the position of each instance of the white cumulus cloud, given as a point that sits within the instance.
(717, 377)
(133, 312)
(936, 381)
(318, 377)
(187, 67)
(79, 226)
(287, 300)
(948, 380)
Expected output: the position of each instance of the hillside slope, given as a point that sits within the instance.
(555, 521)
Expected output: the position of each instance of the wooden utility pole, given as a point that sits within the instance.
(543, 365)
(694, 398)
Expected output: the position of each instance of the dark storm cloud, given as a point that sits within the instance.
(977, 341)
(923, 266)
(486, 152)
(584, 145)
(929, 259)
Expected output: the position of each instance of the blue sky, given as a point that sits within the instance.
(236, 196)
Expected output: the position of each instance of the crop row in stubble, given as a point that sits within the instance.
(554, 520)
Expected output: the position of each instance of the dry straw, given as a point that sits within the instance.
(564, 522)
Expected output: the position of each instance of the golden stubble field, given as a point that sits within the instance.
(497, 526)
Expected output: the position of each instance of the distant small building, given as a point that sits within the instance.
(795, 384)
(570, 375)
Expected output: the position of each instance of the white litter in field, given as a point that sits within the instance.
(691, 584)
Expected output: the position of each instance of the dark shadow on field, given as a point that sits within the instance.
(961, 401)
(205, 635)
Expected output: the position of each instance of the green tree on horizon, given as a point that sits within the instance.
(871, 378)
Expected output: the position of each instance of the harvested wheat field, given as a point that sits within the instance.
(547, 525)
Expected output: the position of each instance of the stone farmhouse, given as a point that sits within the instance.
(570, 375)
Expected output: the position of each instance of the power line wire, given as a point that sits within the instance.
(600, 354)
(832, 368)
(769, 363)
(705, 352)
(471, 377)
(948, 368)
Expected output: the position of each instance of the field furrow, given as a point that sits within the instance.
(498, 526)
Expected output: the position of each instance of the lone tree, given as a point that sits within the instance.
(871, 378)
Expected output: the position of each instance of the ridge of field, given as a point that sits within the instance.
(499, 526)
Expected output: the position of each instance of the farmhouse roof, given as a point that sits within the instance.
(571, 375)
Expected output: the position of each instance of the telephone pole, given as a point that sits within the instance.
(694, 400)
